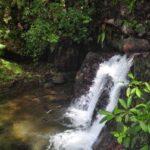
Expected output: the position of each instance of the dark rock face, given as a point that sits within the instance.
(58, 79)
(66, 59)
(87, 72)
(106, 141)
(141, 66)
(131, 45)
(103, 100)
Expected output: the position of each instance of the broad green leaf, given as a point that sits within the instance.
(140, 106)
(136, 82)
(126, 142)
(146, 90)
(119, 139)
(2, 46)
(115, 133)
(145, 147)
(149, 128)
(129, 102)
(144, 126)
(123, 103)
(138, 92)
(131, 75)
(133, 90)
(104, 120)
(103, 34)
(128, 92)
(134, 110)
(109, 117)
(147, 86)
(119, 118)
(135, 129)
(133, 119)
(104, 112)
(118, 111)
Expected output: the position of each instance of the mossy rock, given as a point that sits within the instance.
(9, 70)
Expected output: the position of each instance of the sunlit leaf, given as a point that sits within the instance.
(145, 147)
(2, 46)
(104, 112)
(144, 126)
(131, 75)
(147, 86)
(138, 92)
(128, 91)
(129, 102)
(123, 103)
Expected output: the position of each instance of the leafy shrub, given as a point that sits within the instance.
(50, 23)
(40, 25)
(132, 116)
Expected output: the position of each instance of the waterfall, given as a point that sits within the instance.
(86, 131)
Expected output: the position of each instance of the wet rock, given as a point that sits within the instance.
(48, 85)
(106, 141)
(58, 79)
(69, 76)
(127, 30)
(87, 72)
(66, 59)
(103, 101)
(47, 77)
(131, 45)
(20, 146)
(141, 66)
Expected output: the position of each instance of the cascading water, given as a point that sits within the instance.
(80, 113)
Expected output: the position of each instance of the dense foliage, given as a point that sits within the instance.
(132, 116)
(36, 27)
(43, 24)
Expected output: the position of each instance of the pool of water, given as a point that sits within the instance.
(27, 121)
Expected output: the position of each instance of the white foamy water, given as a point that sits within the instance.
(80, 113)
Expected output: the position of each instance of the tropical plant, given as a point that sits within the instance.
(132, 116)
(50, 23)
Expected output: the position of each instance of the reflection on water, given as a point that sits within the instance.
(27, 121)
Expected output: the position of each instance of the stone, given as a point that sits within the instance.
(66, 59)
(87, 72)
(141, 66)
(131, 45)
(48, 85)
(58, 79)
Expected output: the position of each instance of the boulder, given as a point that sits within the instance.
(66, 59)
(133, 45)
(58, 78)
(141, 66)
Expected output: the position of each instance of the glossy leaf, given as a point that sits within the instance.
(123, 103)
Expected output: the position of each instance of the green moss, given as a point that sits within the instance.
(9, 70)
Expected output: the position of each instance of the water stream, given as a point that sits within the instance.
(85, 130)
